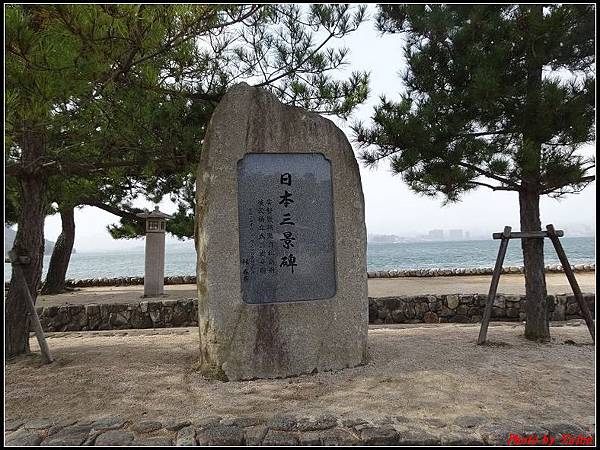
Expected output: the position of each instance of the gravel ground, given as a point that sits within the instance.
(432, 372)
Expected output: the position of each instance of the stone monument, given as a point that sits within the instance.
(154, 270)
(281, 240)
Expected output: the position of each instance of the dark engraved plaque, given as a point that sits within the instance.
(287, 246)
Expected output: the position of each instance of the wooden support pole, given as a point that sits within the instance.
(587, 315)
(21, 284)
(527, 234)
(487, 314)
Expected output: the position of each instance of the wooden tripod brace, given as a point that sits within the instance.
(553, 234)
(21, 285)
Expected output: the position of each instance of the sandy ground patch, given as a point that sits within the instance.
(417, 371)
(378, 287)
(514, 284)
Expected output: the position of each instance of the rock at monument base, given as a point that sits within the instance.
(248, 328)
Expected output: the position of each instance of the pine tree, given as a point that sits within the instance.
(90, 90)
(498, 97)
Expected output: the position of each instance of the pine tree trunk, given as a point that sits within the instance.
(536, 309)
(61, 255)
(536, 306)
(29, 241)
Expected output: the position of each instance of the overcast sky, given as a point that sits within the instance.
(390, 207)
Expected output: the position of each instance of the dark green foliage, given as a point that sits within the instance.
(127, 229)
(477, 110)
(124, 93)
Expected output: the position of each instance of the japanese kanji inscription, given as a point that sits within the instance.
(287, 246)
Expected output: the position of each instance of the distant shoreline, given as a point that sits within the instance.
(417, 258)
(189, 245)
(415, 273)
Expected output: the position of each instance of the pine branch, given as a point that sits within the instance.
(489, 174)
(583, 181)
(112, 209)
(54, 167)
(493, 188)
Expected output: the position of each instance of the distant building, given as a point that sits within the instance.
(384, 238)
(436, 234)
(455, 235)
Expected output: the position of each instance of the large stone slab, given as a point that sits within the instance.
(287, 245)
(281, 273)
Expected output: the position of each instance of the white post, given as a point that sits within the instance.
(154, 275)
(154, 267)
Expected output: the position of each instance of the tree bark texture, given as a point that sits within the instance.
(29, 241)
(537, 323)
(61, 255)
(536, 307)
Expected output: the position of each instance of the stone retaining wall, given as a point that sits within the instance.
(465, 308)
(403, 309)
(435, 272)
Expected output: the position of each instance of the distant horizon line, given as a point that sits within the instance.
(407, 241)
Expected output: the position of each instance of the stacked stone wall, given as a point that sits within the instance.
(462, 308)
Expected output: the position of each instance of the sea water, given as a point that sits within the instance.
(411, 255)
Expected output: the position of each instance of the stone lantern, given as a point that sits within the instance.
(154, 272)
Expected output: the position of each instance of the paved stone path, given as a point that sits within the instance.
(286, 430)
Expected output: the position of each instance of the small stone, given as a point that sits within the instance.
(276, 437)
(320, 423)
(495, 434)
(147, 426)
(245, 421)
(231, 435)
(227, 421)
(23, 438)
(82, 422)
(69, 436)
(468, 421)
(38, 424)
(108, 423)
(186, 436)
(385, 420)
(255, 435)
(457, 438)
(557, 429)
(530, 429)
(175, 424)
(362, 426)
(54, 429)
(384, 435)
(353, 422)
(412, 437)
(155, 441)
(435, 422)
(310, 438)
(114, 437)
(430, 317)
(210, 421)
(282, 423)
(12, 425)
(338, 436)
(452, 301)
